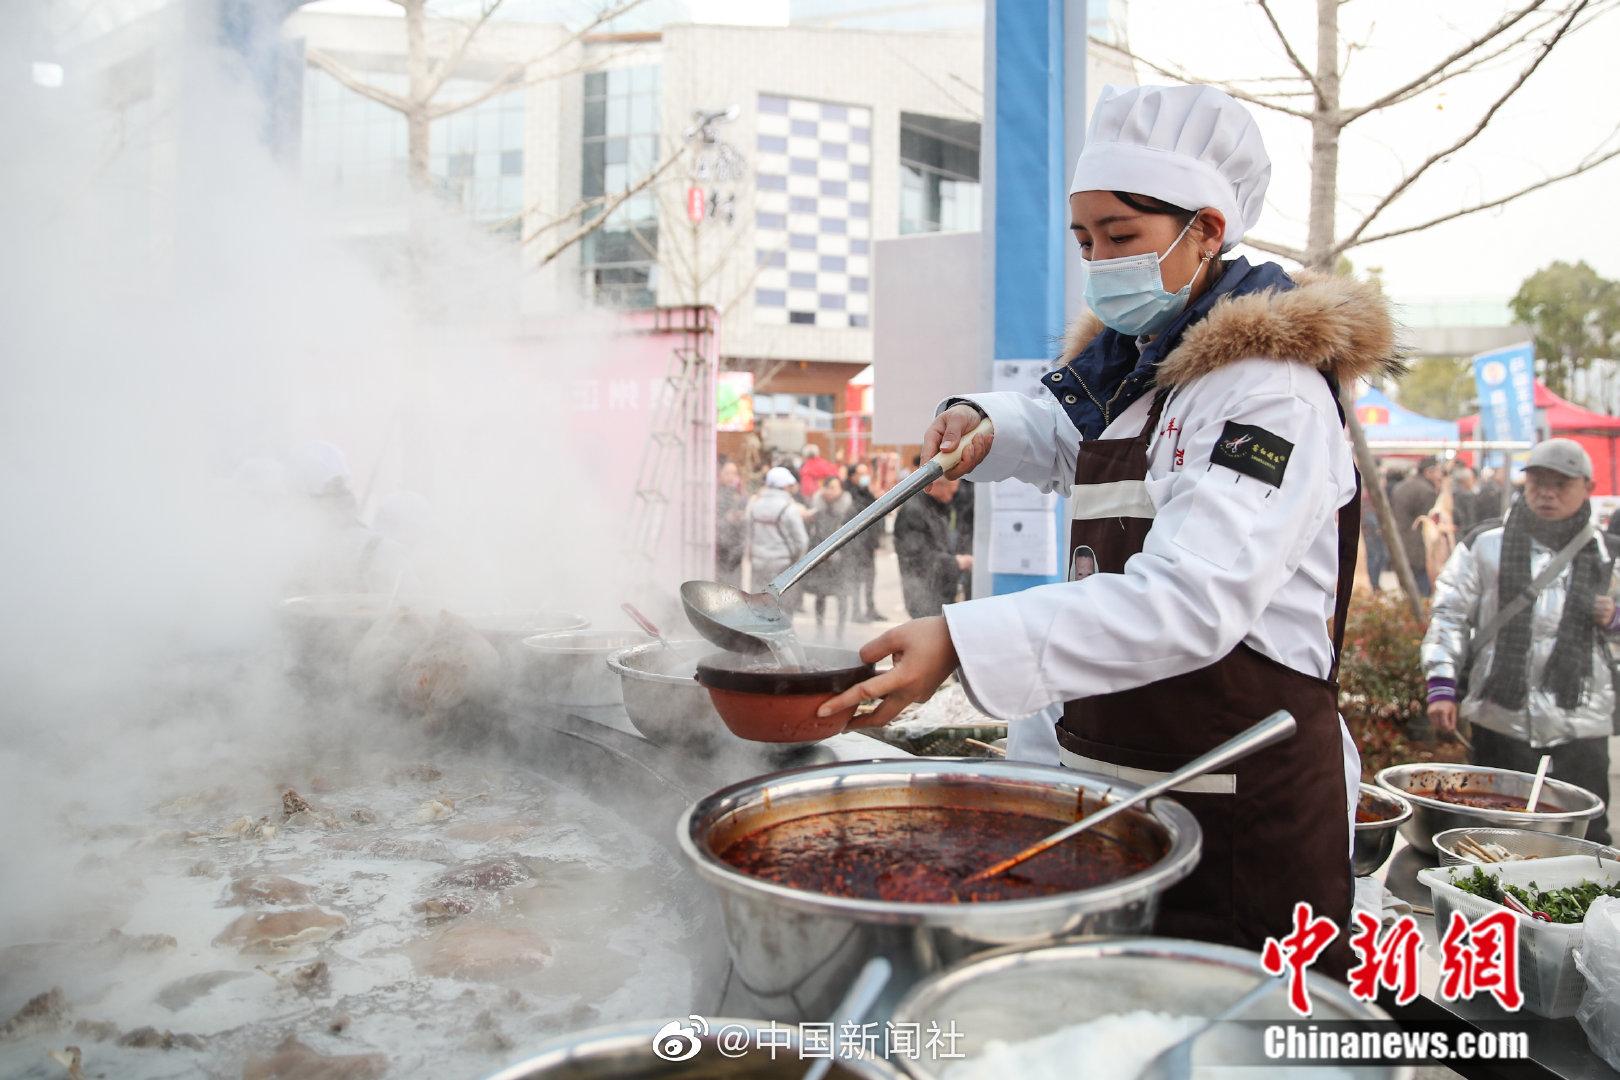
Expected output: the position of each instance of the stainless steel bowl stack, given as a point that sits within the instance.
(1575, 806)
(1016, 995)
(1376, 839)
(662, 698)
(794, 952)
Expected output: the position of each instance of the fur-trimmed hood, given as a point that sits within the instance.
(1340, 326)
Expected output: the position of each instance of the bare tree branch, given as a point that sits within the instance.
(1504, 24)
(1585, 166)
(1182, 76)
(447, 66)
(1412, 177)
(611, 205)
(354, 82)
(514, 80)
(1512, 43)
(1288, 47)
(1297, 254)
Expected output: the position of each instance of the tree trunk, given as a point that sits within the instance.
(418, 67)
(1326, 127)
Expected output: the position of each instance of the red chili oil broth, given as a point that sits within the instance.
(922, 854)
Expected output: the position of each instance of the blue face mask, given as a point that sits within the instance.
(1128, 293)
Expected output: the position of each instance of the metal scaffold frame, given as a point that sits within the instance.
(677, 462)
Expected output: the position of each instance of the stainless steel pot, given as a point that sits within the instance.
(1376, 839)
(626, 1053)
(663, 699)
(569, 670)
(794, 951)
(1019, 994)
(1430, 816)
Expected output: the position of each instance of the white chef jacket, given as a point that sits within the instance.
(1229, 559)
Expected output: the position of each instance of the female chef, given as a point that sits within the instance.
(1195, 412)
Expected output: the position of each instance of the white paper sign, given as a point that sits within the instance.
(1023, 542)
(1023, 532)
(1023, 376)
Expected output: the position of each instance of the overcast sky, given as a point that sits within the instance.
(1568, 107)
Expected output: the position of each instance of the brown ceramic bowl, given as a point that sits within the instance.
(760, 702)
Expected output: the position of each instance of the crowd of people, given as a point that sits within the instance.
(1436, 507)
(767, 522)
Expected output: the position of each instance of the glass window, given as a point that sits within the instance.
(939, 174)
(620, 146)
(351, 141)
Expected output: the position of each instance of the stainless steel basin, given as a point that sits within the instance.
(1576, 806)
(1016, 995)
(793, 952)
(1376, 839)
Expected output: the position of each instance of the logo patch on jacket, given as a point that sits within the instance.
(1252, 451)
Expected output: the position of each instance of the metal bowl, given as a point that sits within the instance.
(569, 669)
(1576, 806)
(661, 696)
(795, 951)
(1018, 994)
(1376, 839)
(625, 1052)
(1529, 845)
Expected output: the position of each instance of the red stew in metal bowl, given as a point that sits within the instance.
(1485, 800)
(1369, 810)
(919, 854)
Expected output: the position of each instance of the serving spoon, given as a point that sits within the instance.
(1273, 729)
(740, 621)
(1174, 1062)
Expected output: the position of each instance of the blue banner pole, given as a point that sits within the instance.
(1035, 72)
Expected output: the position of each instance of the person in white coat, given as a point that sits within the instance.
(1194, 420)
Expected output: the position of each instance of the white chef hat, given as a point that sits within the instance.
(1192, 146)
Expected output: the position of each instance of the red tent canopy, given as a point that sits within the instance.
(1596, 432)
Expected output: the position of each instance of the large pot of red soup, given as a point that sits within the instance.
(819, 868)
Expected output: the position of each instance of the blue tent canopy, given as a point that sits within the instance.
(1383, 420)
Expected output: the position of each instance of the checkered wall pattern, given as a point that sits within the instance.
(813, 213)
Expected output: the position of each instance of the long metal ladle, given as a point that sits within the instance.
(1274, 728)
(746, 621)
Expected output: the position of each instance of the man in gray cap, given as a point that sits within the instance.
(1534, 678)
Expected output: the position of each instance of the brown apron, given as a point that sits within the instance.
(1275, 831)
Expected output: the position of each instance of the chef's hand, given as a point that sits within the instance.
(947, 430)
(924, 657)
(1602, 610)
(1443, 715)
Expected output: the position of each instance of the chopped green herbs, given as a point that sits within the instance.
(1567, 905)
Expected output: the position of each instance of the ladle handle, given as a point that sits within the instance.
(930, 471)
(641, 620)
(1274, 728)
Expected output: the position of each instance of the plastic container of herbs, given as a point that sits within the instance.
(1551, 983)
